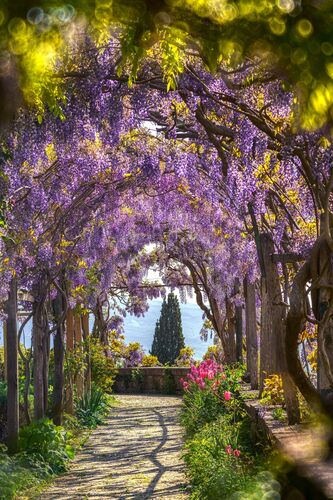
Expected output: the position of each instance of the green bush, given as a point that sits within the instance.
(199, 408)
(3, 392)
(44, 450)
(92, 408)
(48, 443)
(222, 462)
(215, 473)
(14, 476)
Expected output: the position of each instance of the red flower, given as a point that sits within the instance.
(227, 395)
(237, 453)
(228, 449)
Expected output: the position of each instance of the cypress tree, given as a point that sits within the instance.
(168, 339)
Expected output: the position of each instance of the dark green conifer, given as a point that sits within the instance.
(168, 339)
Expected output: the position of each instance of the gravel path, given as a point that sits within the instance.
(135, 455)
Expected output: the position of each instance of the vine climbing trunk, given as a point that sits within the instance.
(230, 331)
(251, 332)
(86, 339)
(238, 324)
(40, 342)
(59, 357)
(12, 369)
(321, 298)
(69, 349)
(5, 349)
(269, 314)
(273, 312)
(79, 379)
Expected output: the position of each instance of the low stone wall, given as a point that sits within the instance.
(303, 446)
(150, 380)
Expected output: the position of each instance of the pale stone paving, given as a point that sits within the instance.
(135, 455)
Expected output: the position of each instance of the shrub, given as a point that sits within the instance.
(219, 459)
(92, 408)
(273, 391)
(185, 357)
(48, 443)
(215, 352)
(14, 476)
(150, 360)
(209, 392)
(103, 369)
(133, 355)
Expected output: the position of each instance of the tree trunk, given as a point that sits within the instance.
(238, 325)
(295, 323)
(12, 369)
(85, 333)
(46, 362)
(69, 347)
(79, 380)
(38, 347)
(274, 314)
(269, 314)
(4, 326)
(230, 332)
(251, 332)
(321, 297)
(59, 356)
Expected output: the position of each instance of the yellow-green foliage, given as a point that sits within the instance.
(149, 360)
(214, 352)
(185, 357)
(273, 391)
(313, 359)
(103, 369)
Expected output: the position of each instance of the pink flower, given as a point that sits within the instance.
(227, 395)
(201, 384)
(210, 374)
(186, 385)
(228, 449)
(237, 453)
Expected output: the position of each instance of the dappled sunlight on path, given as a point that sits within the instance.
(136, 455)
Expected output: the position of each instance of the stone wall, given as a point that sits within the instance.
(150, 380)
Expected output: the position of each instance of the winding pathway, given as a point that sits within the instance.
(135, 455)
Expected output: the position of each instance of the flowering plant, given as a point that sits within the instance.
(210, 375)
(210, 390)
(134, 354)
(185, 357)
